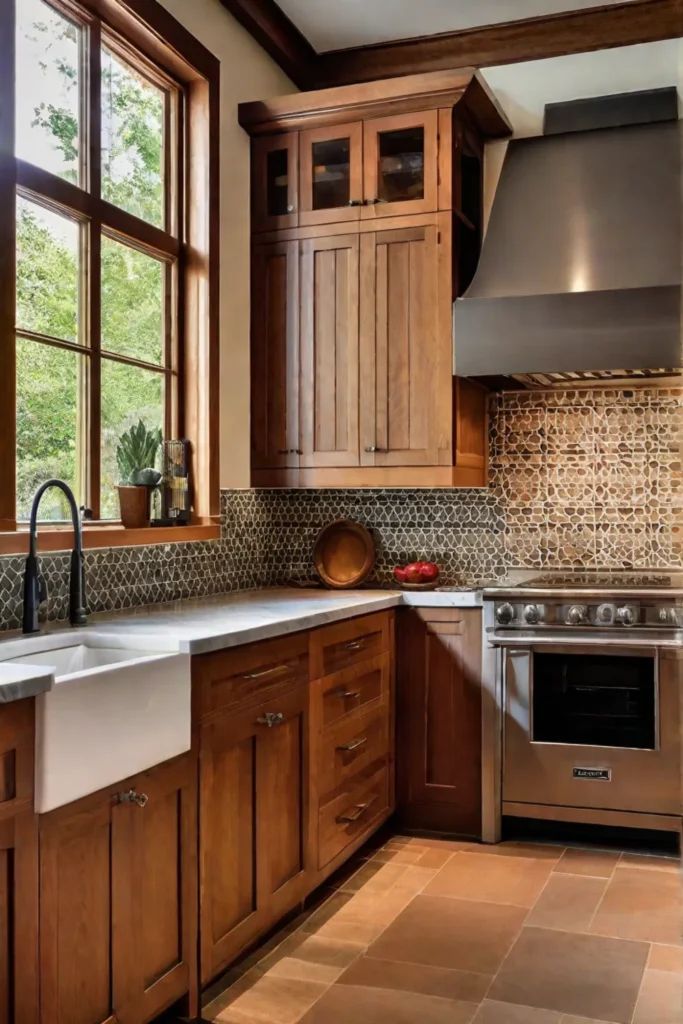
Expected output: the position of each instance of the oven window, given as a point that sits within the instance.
(597, 700)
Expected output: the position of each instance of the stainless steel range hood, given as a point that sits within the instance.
(581, 265)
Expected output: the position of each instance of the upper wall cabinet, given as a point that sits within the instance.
(275, 182)
(367, 220)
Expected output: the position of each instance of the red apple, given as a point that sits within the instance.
(413, 572)
(399, 574)
(429, 571)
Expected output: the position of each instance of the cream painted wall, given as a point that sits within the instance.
(247, 73)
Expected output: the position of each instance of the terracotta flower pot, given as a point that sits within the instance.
(134, 502)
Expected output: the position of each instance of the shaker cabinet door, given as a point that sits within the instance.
(275, 440)
(405, 352)
(329, 351)
(400, 164)
(331, 180)
(275, 181)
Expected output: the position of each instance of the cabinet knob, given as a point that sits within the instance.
(291, 208)
(271, 718)
(131, 796)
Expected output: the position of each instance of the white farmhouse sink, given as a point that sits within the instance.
(117, 707)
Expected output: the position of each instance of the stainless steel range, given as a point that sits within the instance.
(582, 700)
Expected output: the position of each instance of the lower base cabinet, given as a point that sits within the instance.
(254, 846)
(118, 898)
(439, 719)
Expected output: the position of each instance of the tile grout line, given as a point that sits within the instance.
(604, 893)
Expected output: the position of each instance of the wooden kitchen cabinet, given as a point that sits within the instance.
(329, 351)
(18, 867)
(118, 898)
(405, 357)
(275, 181)
(439, 719)
(254, 848)
(275, 370)
(389, 233)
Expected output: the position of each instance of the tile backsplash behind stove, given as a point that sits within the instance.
(585, 478)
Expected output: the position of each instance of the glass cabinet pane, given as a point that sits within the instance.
(277, 182)
(331, 173)
(400, 171)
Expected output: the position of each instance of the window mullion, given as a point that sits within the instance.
(7, 272)
(94, 265)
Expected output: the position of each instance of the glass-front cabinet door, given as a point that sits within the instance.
(275, 182)
(400, 157)
(331, 174)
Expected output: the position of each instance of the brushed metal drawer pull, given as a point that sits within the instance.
(132, 797)
(275, 670)
(354, 744)
(271, 718)
(347, 694)
(354, 645)
(358, 811)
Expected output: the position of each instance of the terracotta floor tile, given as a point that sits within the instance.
(474, 876)
(399, 855)
(666, 958)
(365, 917)
(350, 1004)
(274, 1001)
(642, 904)
(637, 860)
(491, 1012)
(435, 858)
(374, 875)
(453, 933)
(429, 981)
(600, 863)
(331, 906)
(584, 975)
(537, 851)
(661, 999)
(567, 902)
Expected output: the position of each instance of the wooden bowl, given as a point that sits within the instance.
(344, 554)
(430, 585)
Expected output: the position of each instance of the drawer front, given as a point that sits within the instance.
(351, 745)
(250, 674)
(352, 812)
(355, 687)
(338, 647)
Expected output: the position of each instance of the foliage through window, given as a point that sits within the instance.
(98, 245)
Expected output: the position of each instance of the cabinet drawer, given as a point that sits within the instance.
(352, 745)
(250, 674)
(354, 687)
(352, 812)
(347, 643)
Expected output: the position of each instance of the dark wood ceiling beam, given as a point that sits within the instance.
(279, 37)
(639, 21)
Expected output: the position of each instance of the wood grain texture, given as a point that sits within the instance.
(439, 719)
(329, 351)
(373, 129)
(278, 36)
(507, 43)
(308, 139)
(262, 219)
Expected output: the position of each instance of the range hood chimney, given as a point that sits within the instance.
(581, 265)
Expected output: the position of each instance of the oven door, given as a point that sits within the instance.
(594, 727)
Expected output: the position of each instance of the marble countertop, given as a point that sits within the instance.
(202, 625)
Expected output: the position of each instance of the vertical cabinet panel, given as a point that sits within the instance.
(275, 355)
(7, 912)
(331, 174)
(439, 716)
(329, 351)
(400, 164)
(405, 353)
(274, 181)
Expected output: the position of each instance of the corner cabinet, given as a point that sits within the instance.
(366, 225)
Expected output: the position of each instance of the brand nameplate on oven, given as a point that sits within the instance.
(599, 774)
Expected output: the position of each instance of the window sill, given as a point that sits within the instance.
(112, 535)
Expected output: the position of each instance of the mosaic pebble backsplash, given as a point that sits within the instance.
(579, 479)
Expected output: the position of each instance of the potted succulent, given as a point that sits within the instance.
(136, 454)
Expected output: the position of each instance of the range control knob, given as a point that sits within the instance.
(576, 615)
(505, 613)
(605, 614)
(532, 614)
(625, 616)
(668, 616)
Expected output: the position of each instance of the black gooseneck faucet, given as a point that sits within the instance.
(35, 590)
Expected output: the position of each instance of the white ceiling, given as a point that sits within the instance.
(336, 24)
(524, 89)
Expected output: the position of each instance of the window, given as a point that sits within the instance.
(113, 292)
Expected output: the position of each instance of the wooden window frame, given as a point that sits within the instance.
(191, 241)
